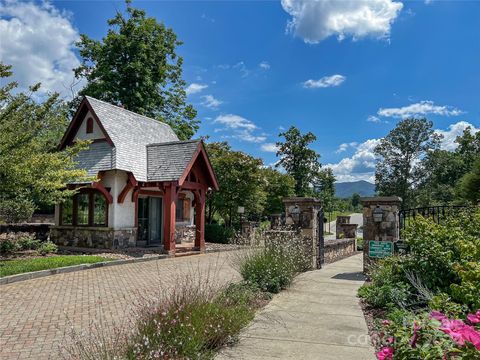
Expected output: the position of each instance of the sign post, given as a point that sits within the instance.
(380, 249)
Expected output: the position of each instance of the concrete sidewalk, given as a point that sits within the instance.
(317, 318)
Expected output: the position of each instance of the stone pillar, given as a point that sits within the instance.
(307, 223)
(386, 230)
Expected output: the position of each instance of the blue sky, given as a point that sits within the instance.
(345, 70)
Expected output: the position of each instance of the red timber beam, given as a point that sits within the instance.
(200, 195)
(131, 184)
(169, 198)
(98, 186)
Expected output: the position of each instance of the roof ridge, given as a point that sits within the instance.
(175, 142)
(130, 111)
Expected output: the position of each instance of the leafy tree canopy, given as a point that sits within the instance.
(241, 183)
(32, 171)
(136, 66)
(301, 162)
(469, 184)
(277, 187)
(398, 168)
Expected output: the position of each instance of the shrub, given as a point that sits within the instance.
(28, 242)
(47, 248)
(219, 234)
(429, 336)
(7, 246)
(273, 267)
(17, 210)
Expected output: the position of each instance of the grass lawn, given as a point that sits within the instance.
(18, 266)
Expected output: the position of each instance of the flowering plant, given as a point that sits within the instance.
(430, 336)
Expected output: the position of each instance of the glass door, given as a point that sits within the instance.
(155, 221)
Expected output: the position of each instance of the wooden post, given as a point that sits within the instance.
(200, 220)
(169, 219)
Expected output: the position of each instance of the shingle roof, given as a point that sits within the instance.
(167, 161)
(130, 134)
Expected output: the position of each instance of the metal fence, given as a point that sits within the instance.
(436, 213)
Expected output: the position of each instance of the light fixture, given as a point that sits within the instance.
(377, 214)
(295, 213)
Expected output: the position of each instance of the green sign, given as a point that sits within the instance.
(380, 249)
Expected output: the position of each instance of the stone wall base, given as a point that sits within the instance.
(339, 249)
(89, 237)
(184, 233)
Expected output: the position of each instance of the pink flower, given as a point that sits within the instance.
(414, 338)
(386, 322)
(385, 353)
(390, 340)
(437, 315)
(453, 329)
(474, 318)
(471, 335)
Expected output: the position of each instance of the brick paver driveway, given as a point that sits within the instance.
(35, 314)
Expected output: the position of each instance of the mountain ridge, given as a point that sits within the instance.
(347, 189)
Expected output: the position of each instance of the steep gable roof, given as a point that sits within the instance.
(127, 132)
(172, 161)
(131, 133)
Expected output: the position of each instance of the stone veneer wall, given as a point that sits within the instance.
(339, 249)
(93, 237)
(40, 231)
(184, 233)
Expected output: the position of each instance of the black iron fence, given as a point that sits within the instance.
(436, 213)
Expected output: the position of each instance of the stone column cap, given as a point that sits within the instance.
(301, 200)
(381, 199)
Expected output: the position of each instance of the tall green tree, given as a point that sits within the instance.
(32, 171)
(136, 66)
(324, 186)
(442, 170)
(241, 183)
(276, 187)
(296, 157)
(399, 156)
(469, 184)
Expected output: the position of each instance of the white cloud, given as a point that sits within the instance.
(194, 88)
(242, 129)
(454, 130)
(264, 65)
(240, 66)
(360, 166)
(421, 108)
(269, 147)
(38, 40)
(211, 102)
(315, 20)
(248, 136)
(233, 121)
(344, 147)
(324, 82)
(374, 119)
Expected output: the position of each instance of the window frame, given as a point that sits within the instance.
(91, 208)
(89, 126)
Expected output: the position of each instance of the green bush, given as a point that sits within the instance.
(7, 246)
(17, 210)
(28, 243)
(193, 328)
(47, 248)
(273, 267)
(219, 234)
